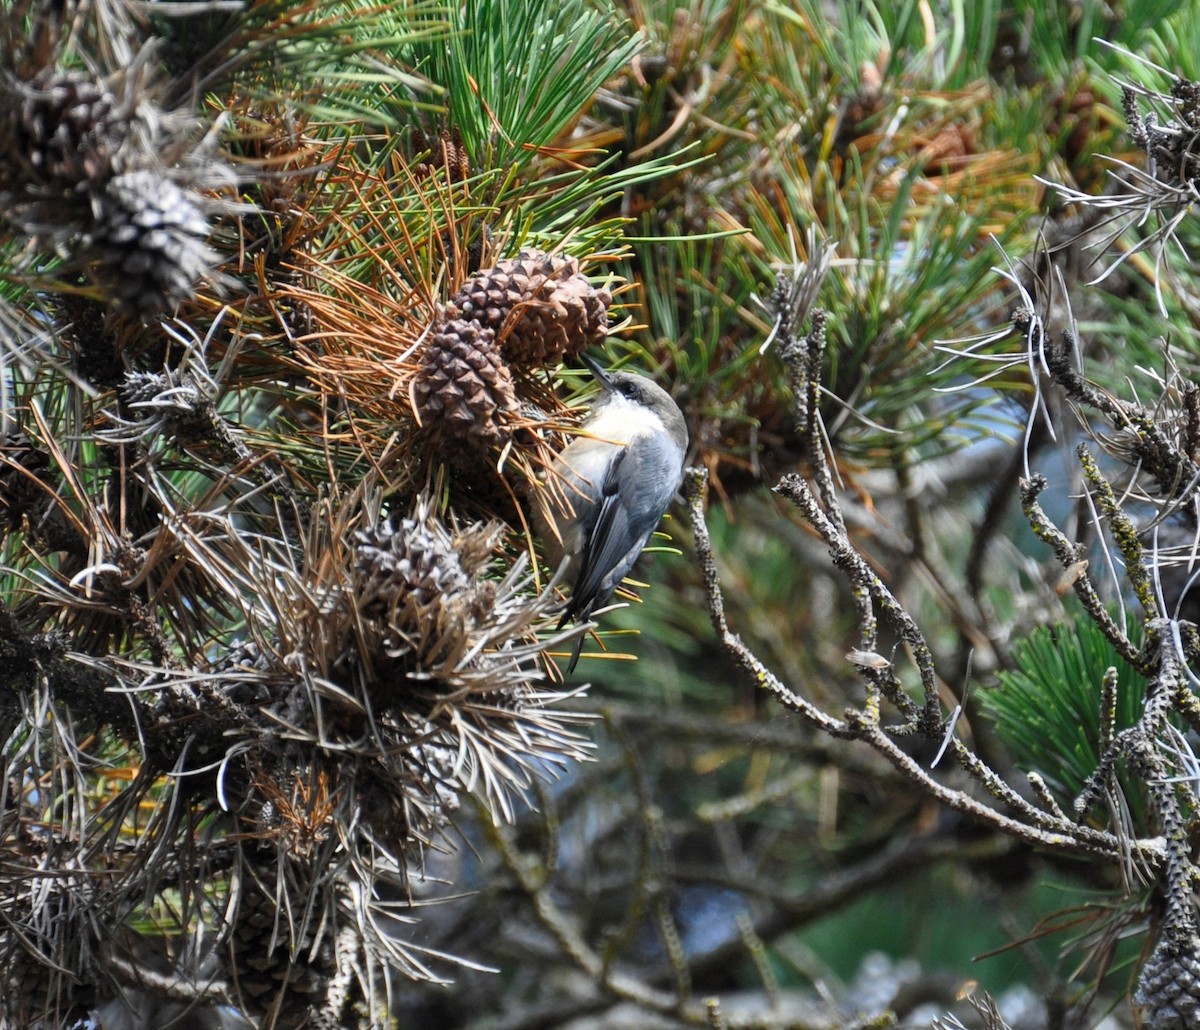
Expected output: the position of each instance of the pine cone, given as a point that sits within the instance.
(149, 239)
(63, 133)
(22, 464)
(421, 581)
(541, 307)
(447, 151)
(463, 387)
(408, 561)
(1169, 987)
(246, 657)
(27, 994)
(267, 977)
(434, 769)
(1171, 148)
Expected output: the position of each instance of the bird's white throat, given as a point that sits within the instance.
(622, 421)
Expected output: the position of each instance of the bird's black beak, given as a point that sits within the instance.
(598, 373)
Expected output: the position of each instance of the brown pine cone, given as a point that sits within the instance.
(464, 388)
(541, 307)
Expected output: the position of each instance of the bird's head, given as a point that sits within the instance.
(625, 394)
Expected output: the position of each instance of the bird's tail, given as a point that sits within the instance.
(575, 653)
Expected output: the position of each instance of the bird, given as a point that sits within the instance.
(618, 477)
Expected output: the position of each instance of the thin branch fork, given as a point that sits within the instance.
(695, 490)
(865, 582)
(1042, 829)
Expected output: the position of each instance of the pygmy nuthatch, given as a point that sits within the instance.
(618, 478)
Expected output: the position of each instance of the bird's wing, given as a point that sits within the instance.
(619, 526)
(606, 541)
(624, 523)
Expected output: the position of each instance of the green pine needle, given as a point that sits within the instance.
(1047, 709)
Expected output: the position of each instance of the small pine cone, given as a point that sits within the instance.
(541, 307)
(421, 582)
(1187, 94)
(26, 990)
(143, 387)
(149, 238)
(447, 151)
(22, 465)
(408, 562)
(435, 770)
(247, 657)
(464, 388)
(434, 787)
(1169, 988)
(64, 132)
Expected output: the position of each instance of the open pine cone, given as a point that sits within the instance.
(149, 237)
(65, 128)
(540, 306)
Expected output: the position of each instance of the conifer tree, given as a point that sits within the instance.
(292, 299)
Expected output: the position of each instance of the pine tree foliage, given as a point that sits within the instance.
(253, 625)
